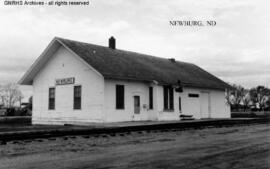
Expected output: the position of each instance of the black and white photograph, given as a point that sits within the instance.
(134, 84)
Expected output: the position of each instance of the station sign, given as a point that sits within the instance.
(65, 81)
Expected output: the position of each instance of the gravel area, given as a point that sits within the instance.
(238, 147)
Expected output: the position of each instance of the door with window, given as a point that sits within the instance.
(137, 108)
(136, 104)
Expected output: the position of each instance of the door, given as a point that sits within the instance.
(136, 105)
(205, 105)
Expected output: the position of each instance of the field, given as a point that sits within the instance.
(241, 147)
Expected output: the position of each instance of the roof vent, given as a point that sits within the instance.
(172, 60)
(112, 43)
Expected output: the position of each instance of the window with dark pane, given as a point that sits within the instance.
(120, 97)
(193, 95)
(168, 98)
(51, 98)
(171, 98)
(180, 104)
(165, 98)
(77, 97)
(150, 97)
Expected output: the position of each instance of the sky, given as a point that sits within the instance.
(236, 50)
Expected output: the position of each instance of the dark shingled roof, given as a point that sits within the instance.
(125, 65)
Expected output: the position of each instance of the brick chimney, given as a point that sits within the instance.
(112, 43)
(172, 60)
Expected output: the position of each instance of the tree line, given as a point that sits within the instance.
(253, 99)
(10, 95)
(10, 101)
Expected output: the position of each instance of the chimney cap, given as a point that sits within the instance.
(112, 42)
(172, 60)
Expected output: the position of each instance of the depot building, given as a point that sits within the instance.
(78, 83)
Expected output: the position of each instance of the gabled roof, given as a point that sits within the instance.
(125, 65)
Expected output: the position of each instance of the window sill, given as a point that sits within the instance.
(168, 110)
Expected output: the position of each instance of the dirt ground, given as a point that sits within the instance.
(242, 147)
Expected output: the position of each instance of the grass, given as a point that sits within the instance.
(15, 120)
(250, 114)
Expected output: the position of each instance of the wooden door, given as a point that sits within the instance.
(136, 104)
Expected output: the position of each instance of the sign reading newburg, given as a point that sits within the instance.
(192, 23)
(65, 81)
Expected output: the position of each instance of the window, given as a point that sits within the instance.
(193, 95)
(120, 97)
(168, 98)
(180, 105)
(77, 97)
(51, 98)
(150, 97)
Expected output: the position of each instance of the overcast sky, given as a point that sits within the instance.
(236, 49)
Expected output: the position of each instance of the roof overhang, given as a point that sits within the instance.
(28, 77)
(53, 46)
